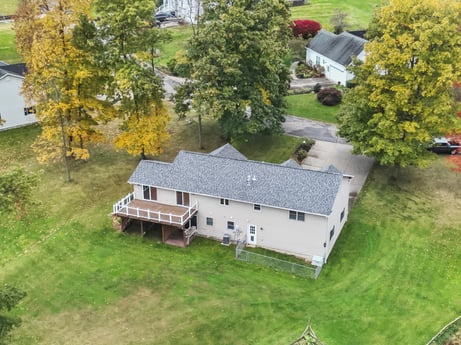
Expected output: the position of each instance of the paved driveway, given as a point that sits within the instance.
(316, 130)
(329, 149)
(325, 153)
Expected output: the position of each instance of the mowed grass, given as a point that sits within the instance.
(393, 277)
(359, 12)
(307, 106)
(179, 37)
(8, 51)
(8, 7)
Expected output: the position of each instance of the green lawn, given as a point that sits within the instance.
(359, 11)
(393, 277)
(306, 105)
(179, 36)
(8, 51)
(8, 7)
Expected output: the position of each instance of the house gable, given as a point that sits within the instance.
(228, 151)
(338, 48)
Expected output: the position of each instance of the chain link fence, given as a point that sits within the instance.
(275, 263)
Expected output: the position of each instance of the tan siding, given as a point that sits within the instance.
(274, 228)
(341, 203)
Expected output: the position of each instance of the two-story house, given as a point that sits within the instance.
(281, 207)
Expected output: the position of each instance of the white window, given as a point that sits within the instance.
(209, 221)
(29, 111)
(257, 207)
(230, 225)
(224, 201)
(294, 215)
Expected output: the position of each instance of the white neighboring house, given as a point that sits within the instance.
(334, 53)
(187, 10)
(13, 108)
(281, 207)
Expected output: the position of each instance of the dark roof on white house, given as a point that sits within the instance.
(339, 48)
(18, 69)
(243, 180)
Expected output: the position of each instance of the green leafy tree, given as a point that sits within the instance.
(124, 46)
(16, 190)
(404, 94)
(9, 298)
(237, 57)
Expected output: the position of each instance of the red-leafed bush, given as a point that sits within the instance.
(329, 96)
(305, 28)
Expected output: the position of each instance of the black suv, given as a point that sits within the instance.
(443, 145)
(163, 16)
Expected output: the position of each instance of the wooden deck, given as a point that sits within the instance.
(152, 211)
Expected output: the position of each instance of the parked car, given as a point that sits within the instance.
(443, 145)
(163, 16)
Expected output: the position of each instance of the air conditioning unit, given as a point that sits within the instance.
(226, 240)
(317, 261)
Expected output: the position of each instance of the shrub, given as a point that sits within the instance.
(317, 87)
(302, 150)
(329, 96)
(301, 155)
(305, 28)
(303, 71)
(179, 66)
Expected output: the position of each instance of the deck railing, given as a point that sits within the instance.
(122, 203)
(122, 207)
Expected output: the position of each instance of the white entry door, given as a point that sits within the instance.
(251, 238)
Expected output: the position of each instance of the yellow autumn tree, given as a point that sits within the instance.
(58, 80)
(124, 46)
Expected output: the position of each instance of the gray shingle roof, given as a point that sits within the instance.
(18, 69)
(269, 184)
(339, 48)
(291, 163)
(228, 151)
